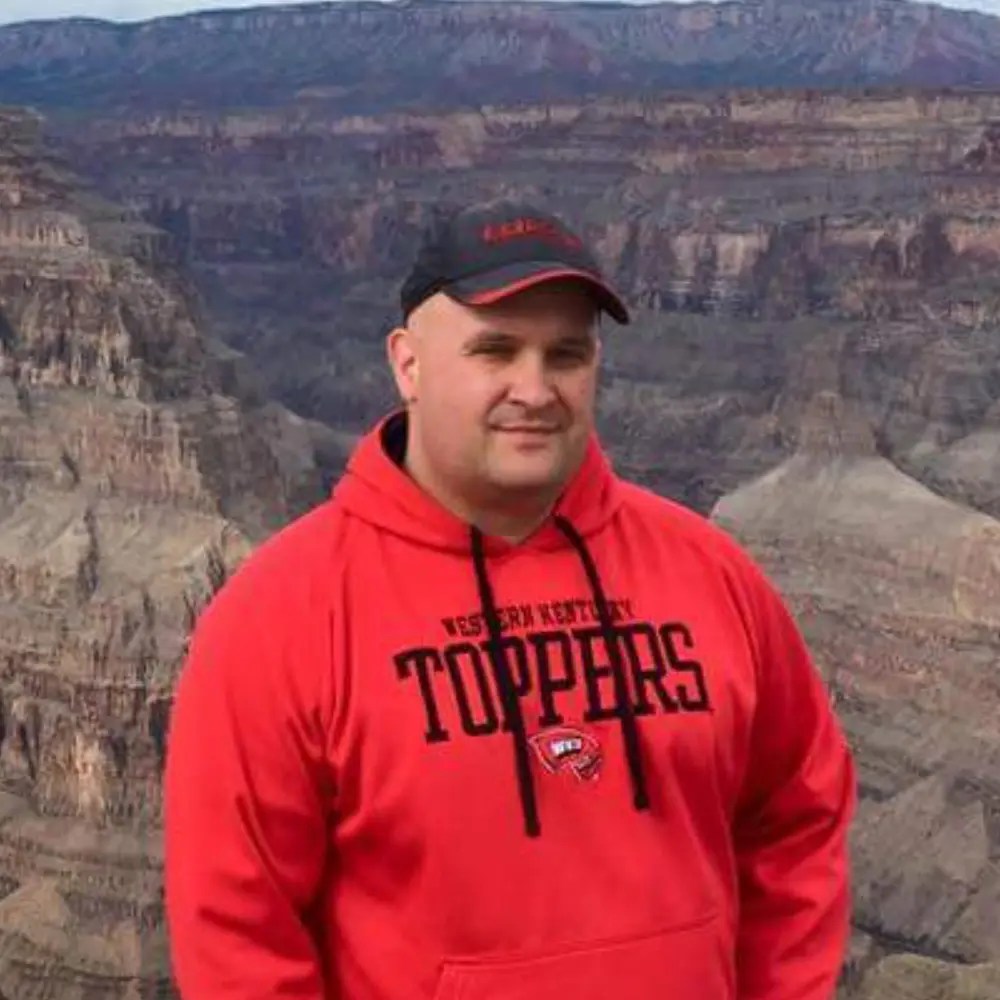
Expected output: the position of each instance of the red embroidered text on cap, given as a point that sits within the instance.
(502, 232)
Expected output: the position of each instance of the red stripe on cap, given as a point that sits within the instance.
(495, 294)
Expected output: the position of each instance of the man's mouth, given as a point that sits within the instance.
(540, 429)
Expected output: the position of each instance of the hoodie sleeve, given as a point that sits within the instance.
(244, 804)
(792, 821)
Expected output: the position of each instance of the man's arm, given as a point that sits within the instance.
(792, 822)
(245, 808)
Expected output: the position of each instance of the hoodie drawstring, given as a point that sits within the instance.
(623, 702)
(508, 693)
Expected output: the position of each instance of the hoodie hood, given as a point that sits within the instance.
(377, 490)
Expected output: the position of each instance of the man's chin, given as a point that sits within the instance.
(527, 476)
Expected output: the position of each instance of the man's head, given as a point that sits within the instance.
(497, 357)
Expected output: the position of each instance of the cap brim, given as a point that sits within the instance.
(492, 286)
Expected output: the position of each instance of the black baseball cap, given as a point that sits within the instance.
(483, 253)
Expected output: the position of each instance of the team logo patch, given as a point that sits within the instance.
(565, 748)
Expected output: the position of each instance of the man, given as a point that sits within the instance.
(493, 723)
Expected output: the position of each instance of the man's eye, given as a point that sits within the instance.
(569, 356)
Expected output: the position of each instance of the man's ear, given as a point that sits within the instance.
(402, 355)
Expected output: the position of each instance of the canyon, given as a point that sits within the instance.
(191, 326)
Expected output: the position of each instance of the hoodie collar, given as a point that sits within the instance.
(379, 491)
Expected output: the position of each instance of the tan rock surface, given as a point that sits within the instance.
(907, 977)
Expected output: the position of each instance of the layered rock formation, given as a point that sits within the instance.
(359, 57)
(880, 209)
(131, 484)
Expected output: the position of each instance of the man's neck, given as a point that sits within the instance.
(511, 527)
(513, 520)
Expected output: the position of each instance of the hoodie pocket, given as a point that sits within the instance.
(687, 962)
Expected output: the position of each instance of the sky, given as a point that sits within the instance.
(138, 10)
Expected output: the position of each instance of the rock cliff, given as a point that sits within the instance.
(131, 484)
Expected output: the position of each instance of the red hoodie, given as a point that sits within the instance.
(406, 761)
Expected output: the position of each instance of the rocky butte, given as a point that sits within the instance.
(816, 362)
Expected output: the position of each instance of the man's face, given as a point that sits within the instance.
(501, 396)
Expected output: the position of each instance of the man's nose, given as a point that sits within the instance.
(531, 383)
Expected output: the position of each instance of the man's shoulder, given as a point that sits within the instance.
(264, 628)
(712, 548)
(286, 569)
(682, 523)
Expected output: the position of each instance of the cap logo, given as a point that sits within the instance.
(495, 233)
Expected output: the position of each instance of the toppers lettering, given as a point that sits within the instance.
(456, 685)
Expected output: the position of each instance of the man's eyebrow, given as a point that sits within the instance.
(579, 340)
(489, 335)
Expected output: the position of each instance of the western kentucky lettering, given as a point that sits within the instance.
(455, 682)
(527, 616)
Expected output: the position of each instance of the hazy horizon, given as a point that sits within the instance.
(139, 10)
